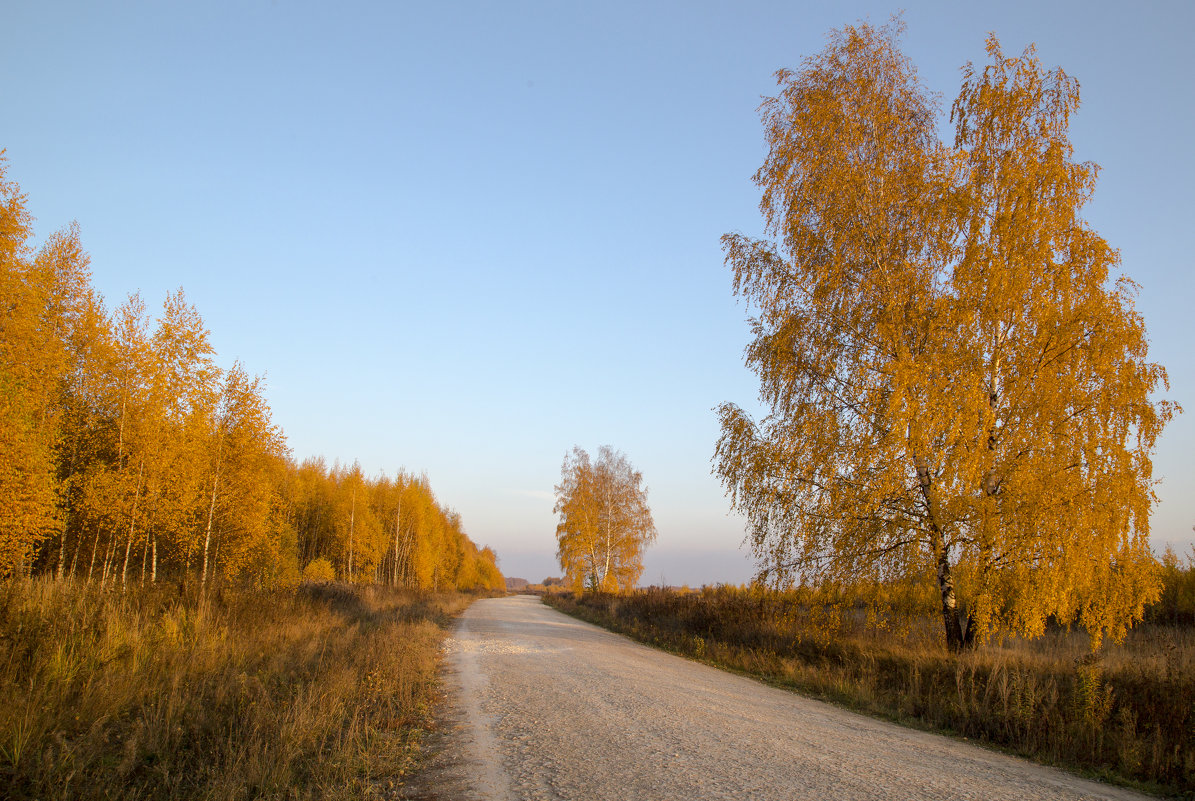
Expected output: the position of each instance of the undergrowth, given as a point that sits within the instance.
(1126, 713)
(319, 693)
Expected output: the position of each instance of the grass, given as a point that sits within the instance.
(1126, 715)
(319, 693)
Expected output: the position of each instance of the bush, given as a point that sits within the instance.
(319, 571)
(1177, 604)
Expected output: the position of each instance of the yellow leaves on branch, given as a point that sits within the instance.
(955, 382)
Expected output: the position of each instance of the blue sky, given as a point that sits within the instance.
(464, 237)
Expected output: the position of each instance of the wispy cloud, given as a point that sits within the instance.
(539, 495)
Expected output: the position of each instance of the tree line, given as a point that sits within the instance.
(130, 455)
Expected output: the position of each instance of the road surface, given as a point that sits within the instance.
(542, 706)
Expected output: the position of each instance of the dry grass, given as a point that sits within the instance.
(1127, 715)
(321, 693)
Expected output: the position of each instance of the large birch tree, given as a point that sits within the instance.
(957, 381)
(605, 522)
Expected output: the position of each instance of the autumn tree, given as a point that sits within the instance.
(355, 520)
(959, 389)
(114, 494)
(605, 522)
(44, 297)
(85, 423)
(490, 577)
(27, 490)
(407, 513)
(180, 396)
(245, 451)
(128, 450)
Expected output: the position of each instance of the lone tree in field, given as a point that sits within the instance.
(959, 391)
(605, 523)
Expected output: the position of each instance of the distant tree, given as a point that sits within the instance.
(957, 389)
(487, 568)
(605, 522)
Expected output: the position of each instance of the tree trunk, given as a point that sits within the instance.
(594, 582)
(120, 435)
(609, 548)
(954, 631)
(95, 547)
(66, 512)
(352, 520)
(404, 568)
(132, 523)
(66, 516)
(144, 557)
(394, 580)
(111, 549)
(74, 569)
(207, 537)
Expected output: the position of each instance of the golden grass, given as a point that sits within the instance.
(321, 693)
(1126, 714)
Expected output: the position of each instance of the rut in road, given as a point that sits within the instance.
(542, 706)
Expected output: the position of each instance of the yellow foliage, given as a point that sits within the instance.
(319, 571)
(129, 453)
(605, 523)
(957, 389)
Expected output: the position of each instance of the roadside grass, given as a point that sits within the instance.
(1126, 714)
(323, 692)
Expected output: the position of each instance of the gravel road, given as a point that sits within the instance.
(541, 706)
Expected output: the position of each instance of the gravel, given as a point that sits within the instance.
(541, 706)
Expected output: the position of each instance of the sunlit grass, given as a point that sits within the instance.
(152, 694)
(1127, 714)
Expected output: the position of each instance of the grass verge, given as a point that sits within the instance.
(320, 693)
(1127, 716)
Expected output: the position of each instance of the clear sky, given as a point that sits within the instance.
(462, 237)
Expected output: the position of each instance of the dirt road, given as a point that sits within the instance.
(542, 706)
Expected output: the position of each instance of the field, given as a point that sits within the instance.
(1126, 714)
(319, 693)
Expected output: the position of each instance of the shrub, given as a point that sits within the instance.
(319, 571)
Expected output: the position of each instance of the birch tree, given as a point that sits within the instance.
(958, 383)
(181, 397)
(27, 508)
(244, 450)
(43, 297)
(605, 522)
